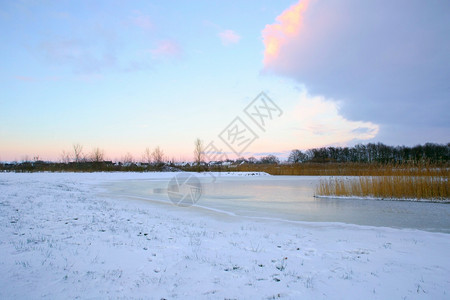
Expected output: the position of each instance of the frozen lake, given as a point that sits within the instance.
(291, 198)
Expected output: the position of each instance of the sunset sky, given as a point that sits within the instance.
(126, 75)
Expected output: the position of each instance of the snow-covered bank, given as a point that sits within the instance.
(383, 199)
(60, 239)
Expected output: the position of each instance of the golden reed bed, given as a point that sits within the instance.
(387, 187)
(391, 181)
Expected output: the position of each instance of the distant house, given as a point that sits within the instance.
(182, 164)
(39, 163)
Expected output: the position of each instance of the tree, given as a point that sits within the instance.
(77, 153)
(241, 160)
(147, 156)
(269, 159)
(198, 151)
(97, 155)
(65, 157)
(158, 156)
(252, 160)
(297, 156)
(128, 159)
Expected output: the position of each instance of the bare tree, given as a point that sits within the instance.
(147, 156)
(65, 157)
(198, 151)
(77, 153)
(127, 159)
(97, 155)
(158, 155)
(297, 156)
(269, 159)
(252, 160)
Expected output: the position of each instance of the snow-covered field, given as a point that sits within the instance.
(62, 236)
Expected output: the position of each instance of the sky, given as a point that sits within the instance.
(126, 75)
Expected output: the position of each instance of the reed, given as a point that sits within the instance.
(387, 187)
(394, 181)
(348, 169)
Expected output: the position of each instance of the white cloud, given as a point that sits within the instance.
(312, 121)
(229, 37)
(318, 122)
(166, 49)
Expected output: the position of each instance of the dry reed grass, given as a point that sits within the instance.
(349, 169)
(388, 187)
(393, 181)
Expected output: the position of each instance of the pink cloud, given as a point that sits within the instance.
(166, 49)
(142, 21)
(229, 37)
(288, 25)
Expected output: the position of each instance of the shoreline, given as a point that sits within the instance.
(446, 201)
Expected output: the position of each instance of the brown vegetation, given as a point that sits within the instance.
(398, 182)
(349, 169)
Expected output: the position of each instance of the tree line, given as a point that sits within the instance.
(155, 160)
(371, 153)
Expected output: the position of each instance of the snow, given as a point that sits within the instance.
(384, 199)
(63, 236)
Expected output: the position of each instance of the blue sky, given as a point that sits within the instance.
(126, 75)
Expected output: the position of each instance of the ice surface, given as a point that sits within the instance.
(292, 198)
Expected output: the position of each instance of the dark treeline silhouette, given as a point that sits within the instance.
(83, 166)
(312, 161)
(370, 153)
